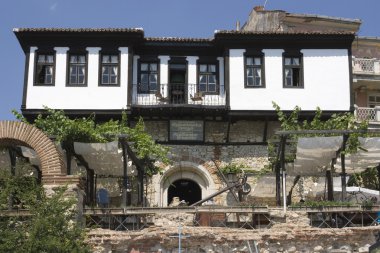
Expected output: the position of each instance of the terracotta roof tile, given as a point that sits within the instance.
(139, 30)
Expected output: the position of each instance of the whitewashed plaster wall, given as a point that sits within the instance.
(92, 96)
(326, 82)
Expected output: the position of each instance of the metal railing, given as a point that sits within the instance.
(366, 66)
(177, 94)
(365, 113)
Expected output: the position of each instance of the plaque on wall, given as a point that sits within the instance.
(186, 130)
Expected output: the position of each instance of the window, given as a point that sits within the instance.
(374, 100)
(77, 70)
(148, 77)
(293, 72)
(207, 78)
(45, 69)
(110, 70)
(254, 72)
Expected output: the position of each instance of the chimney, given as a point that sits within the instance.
(258, 8)
(237, 25)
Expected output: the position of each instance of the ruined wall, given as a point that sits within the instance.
(293, 235)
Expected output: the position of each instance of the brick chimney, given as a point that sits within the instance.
(258, 8)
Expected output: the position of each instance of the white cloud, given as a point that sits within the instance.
(53, 6)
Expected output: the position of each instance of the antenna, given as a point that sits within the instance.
(265, 3)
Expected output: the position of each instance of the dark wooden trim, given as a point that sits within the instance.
(227, 76)
(130, 76)
(262, 57)
(351, 90)
(26, 77)
(68, 55)
(106, 52)
(148, 60)
(44, 52)
(265, 134)
(294, 54)
(209, 61)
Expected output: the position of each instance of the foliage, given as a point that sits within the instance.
(320, 204)
(56, 123)
(232, 168)
(50, 228)
(342, 121)
(367, 179)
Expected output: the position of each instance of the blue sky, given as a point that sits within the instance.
(176, 18)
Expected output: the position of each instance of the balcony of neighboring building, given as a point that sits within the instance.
(366, 66)
(177, 95)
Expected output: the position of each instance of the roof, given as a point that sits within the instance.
(138, 30)
(177, 39)
(285, 32)
(349, 20)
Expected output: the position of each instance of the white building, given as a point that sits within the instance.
(208, 99)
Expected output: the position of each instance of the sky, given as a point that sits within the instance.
(158, 18)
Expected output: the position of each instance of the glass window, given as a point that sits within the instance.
(293, 72)
(77, 70)
(109, 69)
(207, 78)
(148, 77)
(45, 69)
(253, 71)
(374, 100)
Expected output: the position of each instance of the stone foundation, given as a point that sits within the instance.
(291, 233)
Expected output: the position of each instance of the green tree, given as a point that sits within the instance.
(50, 226)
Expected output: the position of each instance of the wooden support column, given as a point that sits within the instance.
(125, 172)
(343, 162)
(280, 165)
(330, 186)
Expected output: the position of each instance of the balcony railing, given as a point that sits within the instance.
(366, 66)
(177, 94)
(365, 113)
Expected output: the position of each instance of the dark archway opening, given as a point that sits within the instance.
(186, 190)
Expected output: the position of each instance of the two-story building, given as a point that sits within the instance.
(210, 100)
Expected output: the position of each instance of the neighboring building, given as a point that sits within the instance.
(366, 77)
(208, 99)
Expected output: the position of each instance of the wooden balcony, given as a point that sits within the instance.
(177, 95)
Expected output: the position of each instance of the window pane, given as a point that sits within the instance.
(82, 59)
(258, 81)
(81, 70)
(257, 61)
(249, 72)
(296, 77)
(105, 70)
(377, 99)
(202, 87)
(153, 86)
(288, 61)
(49, 70)
(73, 71)
(212, 88)
(144, 79)
(203, 68)
(105, 59)
(296, 61)
(144, 67)
(113, 79)
(212, 68)
(153, 67)
(257, 72)
(50, 59)
(114, 71)
(114, 59)
(211, 79)
(81, 80)
(144, 87)
(41, 58)
(250, 81)
(202, 79)
(371, 98)
(153, 78)
(73, 79)
(249, 60)
(73, 59)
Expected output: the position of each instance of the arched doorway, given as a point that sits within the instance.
(187, 190)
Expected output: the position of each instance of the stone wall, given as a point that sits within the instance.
(292, 235)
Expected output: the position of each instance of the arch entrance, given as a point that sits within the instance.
(186, 190)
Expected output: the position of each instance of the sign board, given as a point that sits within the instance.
(186, 130)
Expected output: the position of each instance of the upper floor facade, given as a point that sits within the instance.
(235, 71)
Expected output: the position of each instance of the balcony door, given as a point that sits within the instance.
(177, 83)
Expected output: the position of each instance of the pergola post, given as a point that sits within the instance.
(343, 162)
